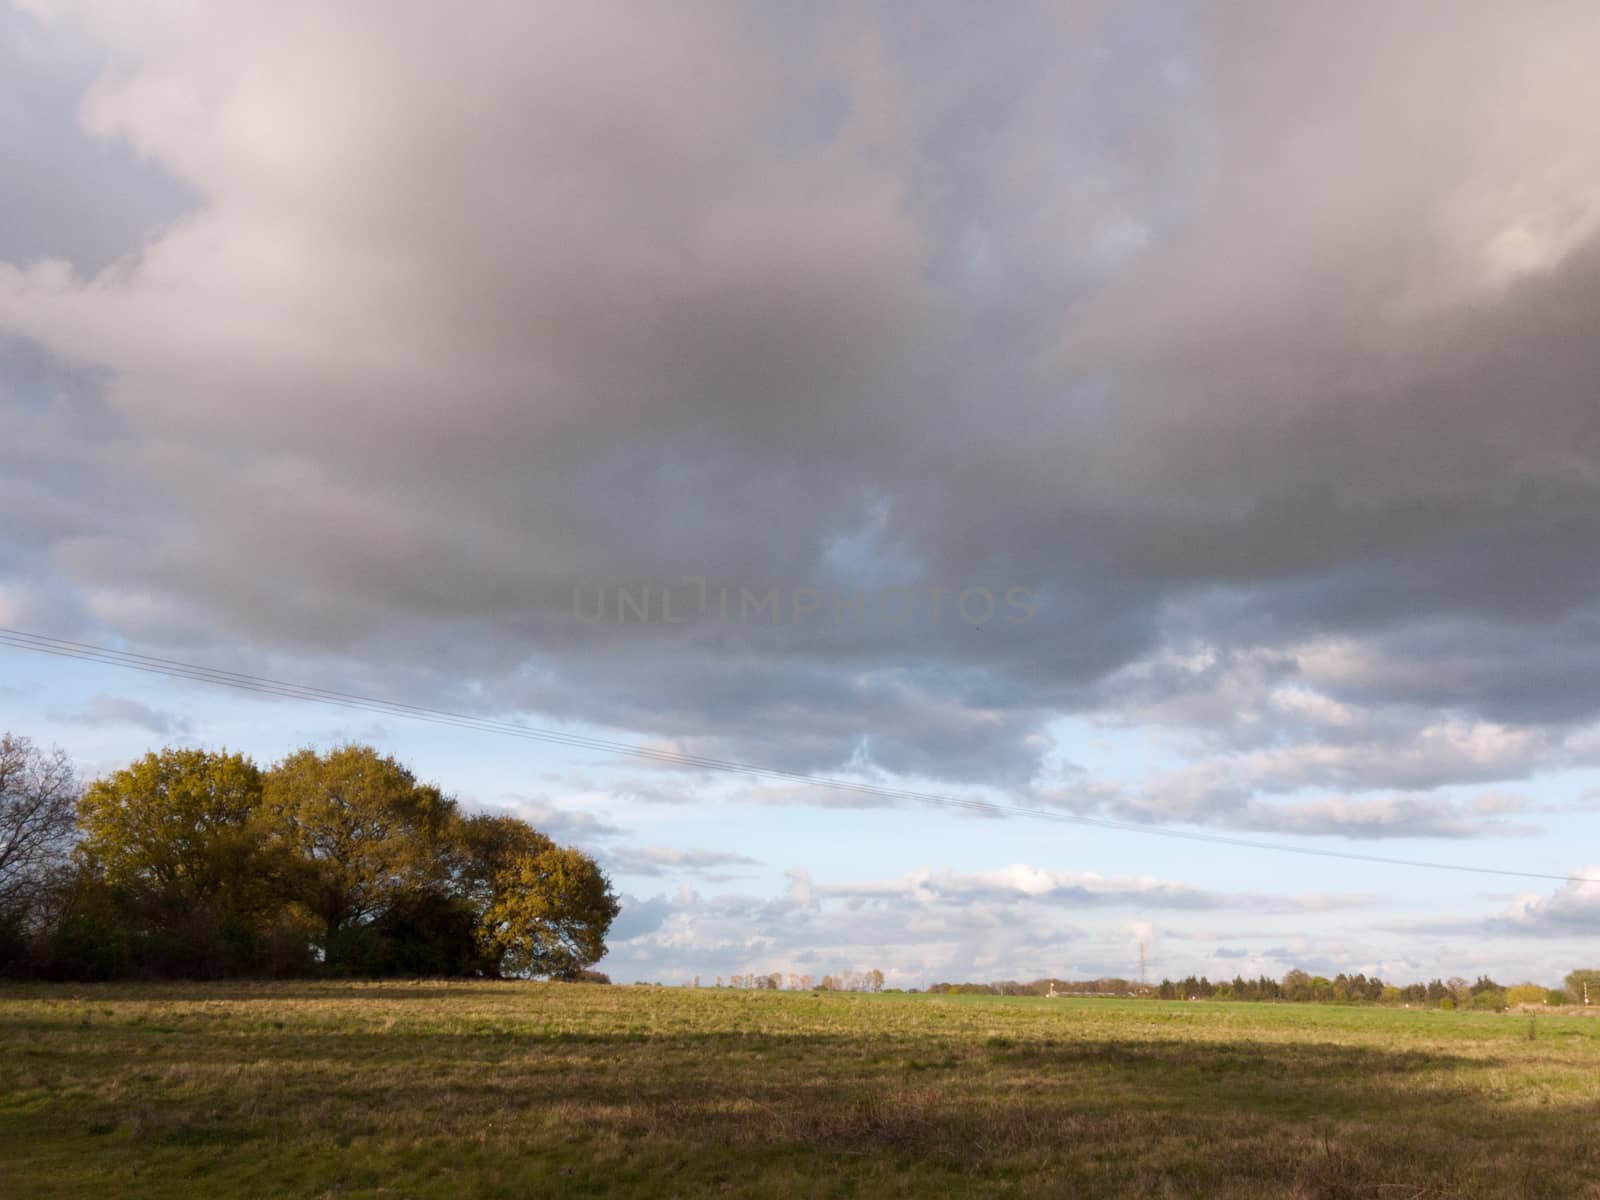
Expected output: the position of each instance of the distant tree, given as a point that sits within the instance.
(1583, 986)
(1525, 993)
(877, 980)
(1460, 990)
(38, 812)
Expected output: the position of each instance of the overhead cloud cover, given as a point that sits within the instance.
(1243, 359)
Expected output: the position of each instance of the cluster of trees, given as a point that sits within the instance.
(1042, 987)
(777, 981)
(1300, 987)
(1295, 986)
(199, 864)
(1583, 987)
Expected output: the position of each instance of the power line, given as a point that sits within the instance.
(85, 652)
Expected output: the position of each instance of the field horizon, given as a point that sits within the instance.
(443, 1088)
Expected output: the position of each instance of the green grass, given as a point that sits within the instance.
(511, 1089)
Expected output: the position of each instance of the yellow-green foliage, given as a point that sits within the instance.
(1525, 993)
(177, 820)
(550, 913)
(544, 908)
(197, 864)
(363, 823)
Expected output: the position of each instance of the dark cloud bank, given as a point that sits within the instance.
(1259, 351)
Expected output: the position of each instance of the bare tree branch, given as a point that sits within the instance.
(38, 806)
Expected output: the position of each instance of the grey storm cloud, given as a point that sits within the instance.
(1257, 350)
(58, 206)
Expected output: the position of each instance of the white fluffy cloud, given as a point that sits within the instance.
(1024, 921)
(1572, 910)
(1008, 922)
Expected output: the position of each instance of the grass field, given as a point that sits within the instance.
(511, 1089)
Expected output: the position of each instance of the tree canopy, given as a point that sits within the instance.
(1576, 982)
(367, 832)
(178, 822)
(192, 862)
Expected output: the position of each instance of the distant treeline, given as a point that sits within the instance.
(778, 981)
(1042, 987)
(1581, 987)
(200, 864)
(1296, 986)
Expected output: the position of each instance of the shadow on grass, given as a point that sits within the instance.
(1122, 1116)
(523, 1067)
(251, 991)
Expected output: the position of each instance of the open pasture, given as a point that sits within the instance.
(423, 1089)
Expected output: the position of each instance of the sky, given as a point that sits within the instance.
(1178, 415)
